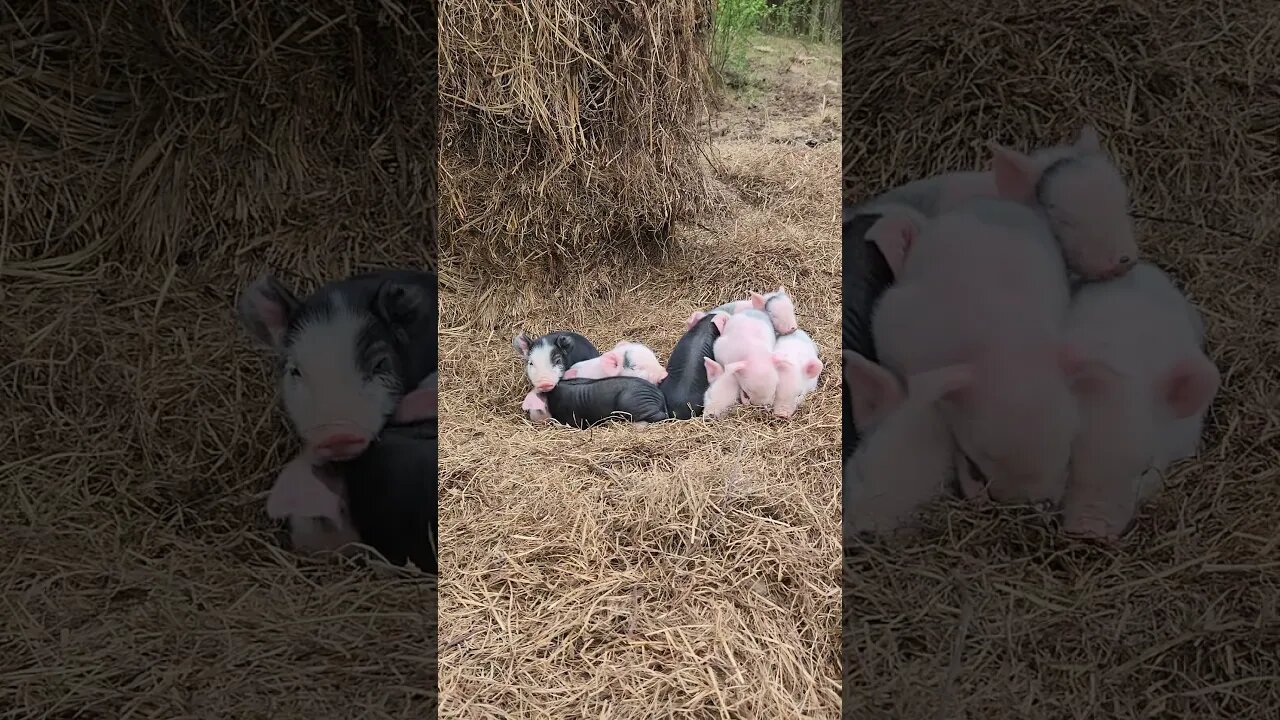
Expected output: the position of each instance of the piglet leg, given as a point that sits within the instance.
(971, 488)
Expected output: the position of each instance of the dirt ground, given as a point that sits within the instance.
(991, 613)
(689, 569)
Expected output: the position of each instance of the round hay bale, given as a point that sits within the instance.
(570, 129)
(990, 613)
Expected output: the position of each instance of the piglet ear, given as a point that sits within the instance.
(875, 391)
(781, 290)
(894, 234)
(1016, 174)
(420, 404)
(300, 492)
(735, 367)
(694, 318)
(714, 369)
(1088, 140)
(758, 301)
(812, 368)
(611, 362)
(400, 304)
(720, 321)
(565, 343)
(521, 343)
(264, 309)
(1190, 386)
(945, 383)
(780, 361)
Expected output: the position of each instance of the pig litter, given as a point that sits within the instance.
(688, 568)
(990, 610)
(158, 156)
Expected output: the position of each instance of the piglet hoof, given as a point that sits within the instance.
(640, 425)
(539, 417)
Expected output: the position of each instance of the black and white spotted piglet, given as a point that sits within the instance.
(356, 355)
(547, 357)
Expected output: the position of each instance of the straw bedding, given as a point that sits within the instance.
(688, 569)
(572, 127)
(150, 170)
(989, 613)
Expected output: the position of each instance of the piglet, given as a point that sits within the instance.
(686, 383)
(1075, 187)
(796, 357)
(777, 305)
(748, 337)
(548, 357)
(627, 359)
(905, 460)
(723, 390)
(313, 504)
(985, 285)
(1143, 396)
(584, 403)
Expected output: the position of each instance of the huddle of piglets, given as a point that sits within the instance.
(357, 371)
(747, 351)
(761, 356)
(1020, 388)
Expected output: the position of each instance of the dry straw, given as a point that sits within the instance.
(988, 614)
(156, 155)
(571, 129)
(688, 569)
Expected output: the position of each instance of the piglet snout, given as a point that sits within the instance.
(545, 386)
(341, 446)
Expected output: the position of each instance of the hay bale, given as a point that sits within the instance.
(571, 129)
(992, 614)
(169, 128)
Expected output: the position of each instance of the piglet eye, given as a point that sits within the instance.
(383, 365)
(294, 371)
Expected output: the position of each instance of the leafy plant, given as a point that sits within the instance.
(736, 23)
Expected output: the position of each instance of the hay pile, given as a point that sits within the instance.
(155, 157)
(989, 613)
(686, 569)
(571, 129)
(207, 130)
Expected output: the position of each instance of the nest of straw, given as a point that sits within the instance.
(157, 156)
(203, 130)
(686, 569)
(990, 613)
(570, 129)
